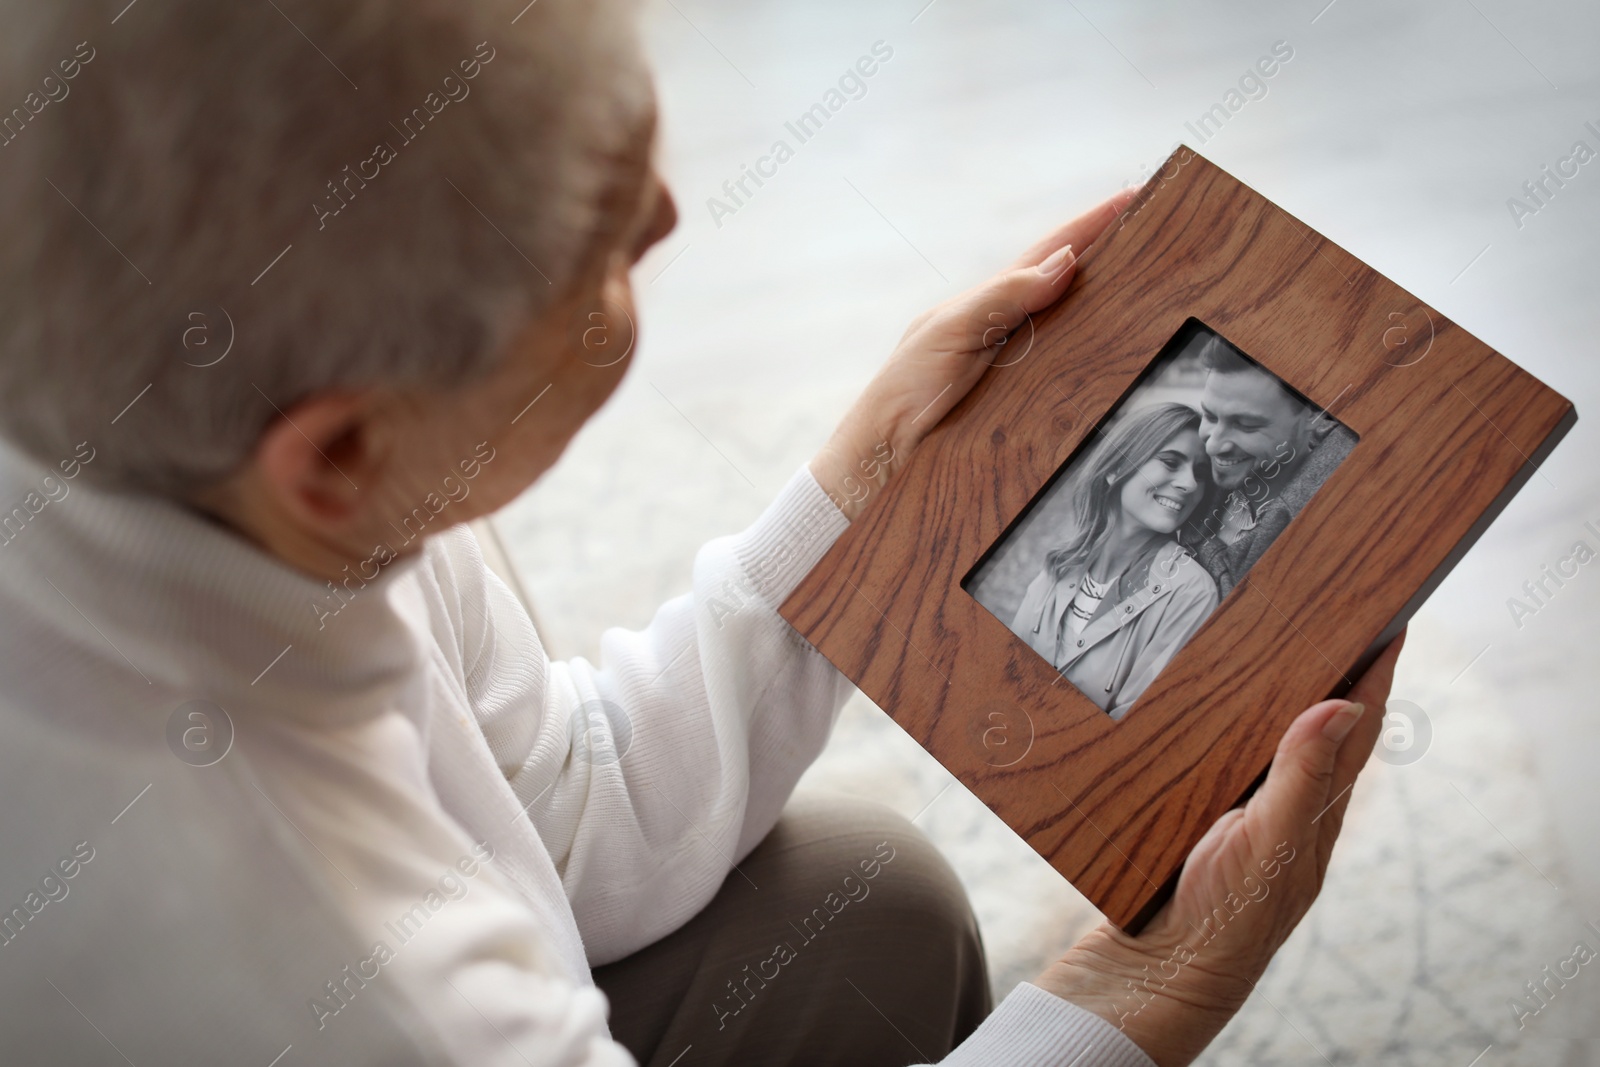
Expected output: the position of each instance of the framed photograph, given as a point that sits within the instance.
(1125, 553)
(1194, 497)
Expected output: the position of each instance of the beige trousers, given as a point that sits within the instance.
(843, 939)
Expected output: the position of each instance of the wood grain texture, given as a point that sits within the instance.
(1117, 806)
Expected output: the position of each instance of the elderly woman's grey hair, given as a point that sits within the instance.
(335, 193)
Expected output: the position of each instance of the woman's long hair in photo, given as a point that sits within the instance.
(1132, 444)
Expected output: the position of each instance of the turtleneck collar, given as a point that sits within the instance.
(128, 593)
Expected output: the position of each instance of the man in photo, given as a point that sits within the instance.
(1270, 451)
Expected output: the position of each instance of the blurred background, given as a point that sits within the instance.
(1470, 863)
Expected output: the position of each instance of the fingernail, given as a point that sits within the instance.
(1056, 261)
(1343, 722)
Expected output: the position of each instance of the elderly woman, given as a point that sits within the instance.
(290, 292)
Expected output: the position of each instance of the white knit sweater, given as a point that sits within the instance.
(423, 832)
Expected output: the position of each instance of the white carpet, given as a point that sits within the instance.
(1398, 130)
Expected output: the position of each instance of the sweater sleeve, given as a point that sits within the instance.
(1033, 1028)
(651, 774)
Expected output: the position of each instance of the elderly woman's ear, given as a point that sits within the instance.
(340, 469)
(313, 459)
(308, 486)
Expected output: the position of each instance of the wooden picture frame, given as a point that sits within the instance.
(1449, 430)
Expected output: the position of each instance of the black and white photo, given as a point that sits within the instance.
(1143, 532)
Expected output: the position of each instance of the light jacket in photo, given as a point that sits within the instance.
(1151, 611)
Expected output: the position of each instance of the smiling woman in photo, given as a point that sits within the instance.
(1115, 601)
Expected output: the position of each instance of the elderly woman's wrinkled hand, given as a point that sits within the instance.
(942, 355)
(1244, 888)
